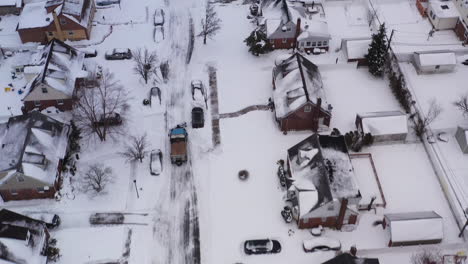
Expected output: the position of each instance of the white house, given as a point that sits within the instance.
(442, 14)
(414, 228)
(383, 126)
(435, 61)
(315, 36)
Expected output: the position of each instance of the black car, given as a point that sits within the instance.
(118, 54)
(198, 119)
(262, 246)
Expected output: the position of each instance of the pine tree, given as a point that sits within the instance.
(258, 43)
(377, 52)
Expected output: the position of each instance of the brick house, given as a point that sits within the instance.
(461, 28)
(321, 183)
(32, 149)
(60, 19)
(298, 95)
(26, 239)
(10, 7)
(53, 74)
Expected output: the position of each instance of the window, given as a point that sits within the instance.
(44, 90)
(71, 33)
(50, 33)
(437, 67)
(307, 108)
(40, 190)
(319, 44)
(20, 179)
(14, 192)
(325, 43)
(63, 21)
(285, 40)
(60, 102)
(314, 44)
(37, 103)
(272, 41)
(308, 43)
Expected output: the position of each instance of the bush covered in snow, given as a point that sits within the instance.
(356, 140)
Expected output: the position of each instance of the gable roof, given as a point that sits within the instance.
(346, 258)
(320, 167)
(297, 81)
(28, 142)
(58, 65)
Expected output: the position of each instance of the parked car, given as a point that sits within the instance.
(198, 118)
(178, 138)
(262, 246)
(118, 54)
(112, 120)
(106, 219)
(156, 162)
(89, 53)
(107, 2)
(159, 17)
(321, 244)
(198, 92)
(158, 34)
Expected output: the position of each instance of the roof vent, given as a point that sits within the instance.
(284, 28)
(47, 19)
(445, 7)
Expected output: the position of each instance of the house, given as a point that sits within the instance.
(462, 138)
(298, 95)
(442, 14)
(8, 7)
(60, 19)
(321, 183)
(301, 25)
(356, 49)
(53, 73)
(383, 126)
(346, 258)
(434, 61)
(414, 228)
(461, 28)
(32, 149)
(22, 239)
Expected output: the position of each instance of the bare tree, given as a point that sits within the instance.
(462, 104)
(427, 256)
(145, 63)
(210, 23)
(100, 110)
(423, 122)
(137, 149)
(96, 178)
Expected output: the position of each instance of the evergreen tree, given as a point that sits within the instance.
(377, 52)
(258, 42)
(75, 136)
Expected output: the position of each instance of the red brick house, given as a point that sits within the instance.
(321, 183)
(32, 149)
(298, 95)
(60, 19)
(53, 73)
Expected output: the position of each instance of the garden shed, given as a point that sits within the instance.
(414, 228)
(462, 138)
(433, 62)
(356, 49)
(383, 126)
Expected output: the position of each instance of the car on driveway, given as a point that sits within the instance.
(198, 118)
(118, 54)
(262, 246)
(159, 17)
(198, 92)
(321, 244)
(156, 162)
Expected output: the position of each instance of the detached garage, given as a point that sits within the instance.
(442, 14)
(433, 62)
(414, 228)
(383, 126)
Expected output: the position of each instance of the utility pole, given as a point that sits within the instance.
(390, 40)
(466, 224)
(136, 189)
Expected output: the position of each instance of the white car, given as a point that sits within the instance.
(156, 162)
(198, 93)
(321, 244)
(159, 17)
(158, 34)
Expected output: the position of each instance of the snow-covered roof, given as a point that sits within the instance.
(444, 9)
(35, 15)
(357, 49)
(437, 58)
(297, 81)
(29, 141)
(16, 3)
(59, 66)
(73, 7)
(384, 123)
(415, 226)
(310, 171)
(314, 28)
(272, 25)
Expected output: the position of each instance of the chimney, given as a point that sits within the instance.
(353, 251)
(298, 28)
(319, 103)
